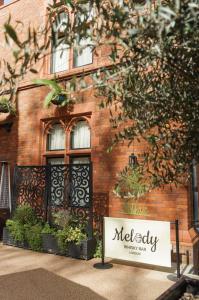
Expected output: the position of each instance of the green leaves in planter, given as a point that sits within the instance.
(25, 214)
(68, 235)
(58, 95)
(62, 218)
(24, 227)
(33, 236)
(98, 251)
(6, 106)
(62, 240)
(48, 230)
(75, 235)
(16, 230)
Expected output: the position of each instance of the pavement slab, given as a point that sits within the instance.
(36, 276)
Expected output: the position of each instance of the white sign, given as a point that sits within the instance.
(141, 241)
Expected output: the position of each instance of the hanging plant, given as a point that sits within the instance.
(6, 106)
(131, 184)
(57, 95)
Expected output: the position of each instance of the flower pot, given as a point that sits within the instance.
(49, 243)
(8, 240)
(85, 250)
(4, 110)
(59, 99)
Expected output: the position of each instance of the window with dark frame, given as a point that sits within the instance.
(74, 147)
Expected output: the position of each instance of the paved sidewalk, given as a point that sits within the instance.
(122, 282)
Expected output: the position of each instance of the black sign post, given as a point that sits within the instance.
(177, 248)
(102, 264)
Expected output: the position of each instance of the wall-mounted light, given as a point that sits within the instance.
(133, 161)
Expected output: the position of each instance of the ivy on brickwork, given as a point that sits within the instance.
(151, 83)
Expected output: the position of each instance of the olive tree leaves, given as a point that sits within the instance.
(150, 82)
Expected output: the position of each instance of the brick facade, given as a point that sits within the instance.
(24, 144)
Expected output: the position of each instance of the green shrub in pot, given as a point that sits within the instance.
(16, 230)
(24, 227)
(33, 236)
(25, 214)
(48, 230)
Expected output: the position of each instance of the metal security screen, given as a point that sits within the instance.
(53, 187)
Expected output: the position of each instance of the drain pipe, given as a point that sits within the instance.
(195, 197)
(194, 181)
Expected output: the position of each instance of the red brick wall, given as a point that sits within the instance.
(23, 145)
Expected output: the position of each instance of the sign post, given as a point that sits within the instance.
(144, 241)
(177, 248)
(103, 265)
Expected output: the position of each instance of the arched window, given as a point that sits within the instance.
(81, 136)
(56, 138)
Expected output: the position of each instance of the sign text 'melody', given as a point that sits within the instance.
(136, 237)
(144, 241)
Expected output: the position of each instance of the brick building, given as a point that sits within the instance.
(39, 136)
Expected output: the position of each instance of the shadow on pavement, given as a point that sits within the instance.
(40, 284)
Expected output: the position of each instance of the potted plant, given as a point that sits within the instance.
(14, 234)
(49, 240)
(57, 96)
(23, 229)
(71, 236)
(79, 245)
(73, 241)
(33, 236)
(6, 106)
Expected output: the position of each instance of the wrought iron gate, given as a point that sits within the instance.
(50, 188)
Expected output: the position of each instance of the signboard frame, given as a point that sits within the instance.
(104, 265)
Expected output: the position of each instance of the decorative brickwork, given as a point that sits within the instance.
(25, 144)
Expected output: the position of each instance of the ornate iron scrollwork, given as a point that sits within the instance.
(80, 186)
(50, 188)
(30, 187)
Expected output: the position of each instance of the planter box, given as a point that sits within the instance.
(183, 285)
(49, 243)
(4, 215)
(85, 250)
(8, 240)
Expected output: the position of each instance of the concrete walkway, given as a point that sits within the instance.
(122, 282)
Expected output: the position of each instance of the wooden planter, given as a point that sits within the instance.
(49, 243)
(85, 250)
(8, 240)
(184, 285)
